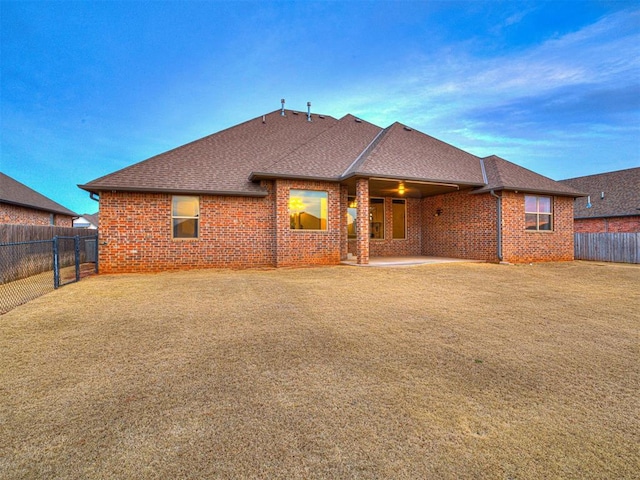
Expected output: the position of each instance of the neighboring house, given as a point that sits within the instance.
(293, 188)
(612, 203)
(87, 220)
(20, 204)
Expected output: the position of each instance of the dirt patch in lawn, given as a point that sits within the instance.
(435, 371)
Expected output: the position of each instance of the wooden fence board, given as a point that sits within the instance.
(608, 247)
(13, 233)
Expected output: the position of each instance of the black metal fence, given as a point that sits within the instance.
(30, 269)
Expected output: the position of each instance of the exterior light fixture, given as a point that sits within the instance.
(401, 189)
(438, 212)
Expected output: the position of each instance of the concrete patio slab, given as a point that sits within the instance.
(406, 261)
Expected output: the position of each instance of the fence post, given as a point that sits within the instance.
(97, 252)
(56, 263)
(76, 247)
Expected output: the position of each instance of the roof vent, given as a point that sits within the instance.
(408, 129)
(308, 111)
(295, 113)
(321, 116)
(358, 120)
(282, 111)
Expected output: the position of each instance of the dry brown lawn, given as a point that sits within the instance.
(434, 371)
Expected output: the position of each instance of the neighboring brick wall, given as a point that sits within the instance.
(135, 233)
(28, 216)
(629, 224)
(465, 228)
(308, 247)
(520, 245)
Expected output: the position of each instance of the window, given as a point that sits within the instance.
(308, 209)
(352, 215)
(538, 213)
(184, 215)
(399, 213)
(376, 217)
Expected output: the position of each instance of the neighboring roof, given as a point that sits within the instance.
(16, 193)
(621, 194)
(232, 161)
(87, 218)
(504, 175)
(92, 217)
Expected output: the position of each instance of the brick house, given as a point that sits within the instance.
(20, 204)
(294, 188)
(611, 203)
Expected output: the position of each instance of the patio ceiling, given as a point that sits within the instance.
(381, 187)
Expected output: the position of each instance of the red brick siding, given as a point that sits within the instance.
(465, 228)
(28, 216)
(520, 245)
(305, 247)
(629, 224)
(135, 233)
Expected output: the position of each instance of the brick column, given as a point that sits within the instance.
(344, 203)
(362, 222)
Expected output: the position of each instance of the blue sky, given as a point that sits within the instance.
(88, 88)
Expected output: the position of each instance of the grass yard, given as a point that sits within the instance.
(434, 371)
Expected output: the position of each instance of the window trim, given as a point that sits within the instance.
(196, 218)
(316, 230)
(384, 219)
(404, 202)
(538, 213)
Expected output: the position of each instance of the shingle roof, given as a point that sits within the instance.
(16, 193)
(222, 162)
(274, 146)
(402, 152)
(329, 154)
(621, 194)
(504, 175)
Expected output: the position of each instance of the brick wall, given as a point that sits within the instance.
(14, 214)
(629, 224)
(308, 247)
(520, 245)
(464, 228)
(235, 232)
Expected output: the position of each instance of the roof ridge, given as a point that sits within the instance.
(599, 174)
(289, 152)
(368, 149)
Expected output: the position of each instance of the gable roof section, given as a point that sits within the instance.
(219, 163)
(504, 175)
(621, 194)
(16, 193)
(404, 153)
(326, 156)
(231, 161)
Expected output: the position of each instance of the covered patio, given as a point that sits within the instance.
(404, 261)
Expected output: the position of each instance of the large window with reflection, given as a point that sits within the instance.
(399, 213)
(376, 218)
(538, 213)
(308, 209)
(185, 212)
(352, 215)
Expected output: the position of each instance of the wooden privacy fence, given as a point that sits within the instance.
(607, 247)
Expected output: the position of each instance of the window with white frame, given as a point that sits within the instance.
(185, 214)
(538, 213)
